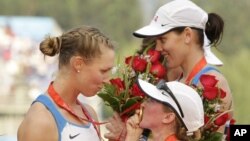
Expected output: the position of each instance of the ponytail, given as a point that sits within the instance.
(214, 29)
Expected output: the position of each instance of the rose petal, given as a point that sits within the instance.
(210, 93)
(118, 83)
(222, 93)
(208, 80)
(139, 64)
(221, 120)
(136, 91)
(154, 55)
(158, 70)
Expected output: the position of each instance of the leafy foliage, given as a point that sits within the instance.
(116, 18)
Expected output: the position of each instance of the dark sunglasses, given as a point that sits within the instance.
(163, 86)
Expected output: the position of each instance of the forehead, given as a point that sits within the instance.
(106, 57)
(166, 35)
(152, 100)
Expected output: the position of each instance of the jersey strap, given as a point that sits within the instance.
(60, 121)
(203, 71)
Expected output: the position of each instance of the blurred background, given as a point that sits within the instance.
(25, 72)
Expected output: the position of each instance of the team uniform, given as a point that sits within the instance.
(67, 130)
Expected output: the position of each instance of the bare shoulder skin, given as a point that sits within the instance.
(38, 125)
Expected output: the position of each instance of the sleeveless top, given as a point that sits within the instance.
(67, 130)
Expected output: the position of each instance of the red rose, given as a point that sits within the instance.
(210, 93)
(138, 64)
(136, 91)
(118, 83)
(222, 93)
(208, 80)
(158, 70)
(221, 120)
(154, 55)
(206, 119)
(128, 60)
(232, 121)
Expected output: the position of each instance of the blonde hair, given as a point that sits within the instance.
(181, 132)
(84, 41)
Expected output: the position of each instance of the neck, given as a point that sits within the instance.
(189, 63)
(65, 91)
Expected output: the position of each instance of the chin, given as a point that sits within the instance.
(90, 94)
(142, 125)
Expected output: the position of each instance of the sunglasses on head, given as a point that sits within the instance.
(163, 86)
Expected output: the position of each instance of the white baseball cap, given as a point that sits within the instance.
(178, 13)
(183, 99)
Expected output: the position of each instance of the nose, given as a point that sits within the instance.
(106, 80)
(143, 104)
(158, 45)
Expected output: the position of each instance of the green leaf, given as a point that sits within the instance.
(214, 136)
(109, 89)
(110, 100)
(130, 102)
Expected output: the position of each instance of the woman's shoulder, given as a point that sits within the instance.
(38, 114)
(37, 122)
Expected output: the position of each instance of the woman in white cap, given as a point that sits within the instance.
(179, 113)
(182, 29)
(184, 34)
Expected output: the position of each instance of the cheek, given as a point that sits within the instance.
(96, 78)
(148, 120)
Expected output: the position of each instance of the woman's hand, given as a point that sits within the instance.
(133, 130)
(116, 128)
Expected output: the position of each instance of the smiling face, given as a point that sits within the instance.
(172, 46)
(95, 73)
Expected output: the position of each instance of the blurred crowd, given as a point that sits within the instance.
(25, 72)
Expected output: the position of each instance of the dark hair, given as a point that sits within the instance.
(84, 41)
(199, 32)
(214, 30)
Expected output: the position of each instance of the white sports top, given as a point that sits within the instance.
(67, 130)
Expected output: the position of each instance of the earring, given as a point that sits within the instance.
(78, 71)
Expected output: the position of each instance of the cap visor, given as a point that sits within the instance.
(149, 31)
(153, 92)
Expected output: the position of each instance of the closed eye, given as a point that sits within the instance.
(106, 70)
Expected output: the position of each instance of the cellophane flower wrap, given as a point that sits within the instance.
(123, 94)
(214, 117)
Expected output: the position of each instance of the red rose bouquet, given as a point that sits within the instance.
(214, 116)
(122, 94)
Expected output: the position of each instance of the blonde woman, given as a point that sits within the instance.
(86, 57)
